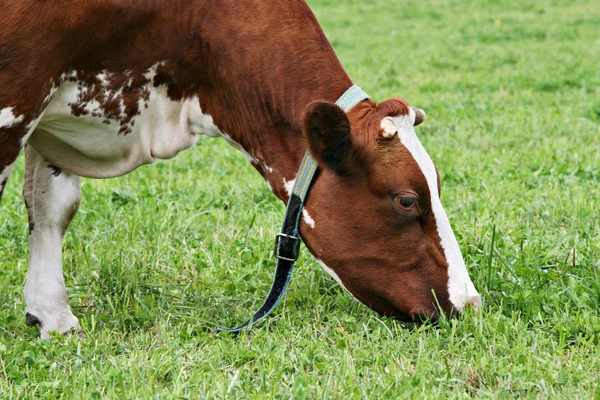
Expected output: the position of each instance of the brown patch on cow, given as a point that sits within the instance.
(117, 98)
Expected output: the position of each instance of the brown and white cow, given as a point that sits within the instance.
(100, 87)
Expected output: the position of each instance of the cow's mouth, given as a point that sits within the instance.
(418, 317)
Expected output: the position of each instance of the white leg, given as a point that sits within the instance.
(52, 198)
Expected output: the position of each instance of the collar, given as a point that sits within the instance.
(287, 241)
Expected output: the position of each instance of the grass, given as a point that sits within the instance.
(156, 260)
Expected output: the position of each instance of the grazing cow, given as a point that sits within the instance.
(98, 88)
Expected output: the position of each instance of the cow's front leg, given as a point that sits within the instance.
(52, 198)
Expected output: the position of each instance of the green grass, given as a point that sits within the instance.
(156, 260)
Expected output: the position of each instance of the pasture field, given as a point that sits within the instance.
(156, 260)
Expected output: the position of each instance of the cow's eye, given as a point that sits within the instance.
(406, 202)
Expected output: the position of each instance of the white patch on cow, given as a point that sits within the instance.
(151, 73)
(289, 186)
(460, 287)
(201, 123)
(91, 145)
(72, 74)
(103, 78)
(8, 119)
(389, 128)
(307, 219)
(93, 106)
(335, 276)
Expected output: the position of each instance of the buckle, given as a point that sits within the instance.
(295, 247)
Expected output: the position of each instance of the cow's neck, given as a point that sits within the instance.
(263, 82)
(275, 146)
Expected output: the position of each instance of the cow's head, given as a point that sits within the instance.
(379, 226)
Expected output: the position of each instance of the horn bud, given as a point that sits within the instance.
(389, 130)
(419, 115)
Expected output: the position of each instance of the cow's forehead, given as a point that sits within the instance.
(410, 140)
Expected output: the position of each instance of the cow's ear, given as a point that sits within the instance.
(329, 138)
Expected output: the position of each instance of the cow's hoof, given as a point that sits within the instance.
(64, 322)
(31, 320)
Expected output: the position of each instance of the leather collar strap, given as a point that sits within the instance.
(287, 242)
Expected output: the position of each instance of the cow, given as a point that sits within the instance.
(98, 88)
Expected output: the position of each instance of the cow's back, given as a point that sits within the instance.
(82, 74)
